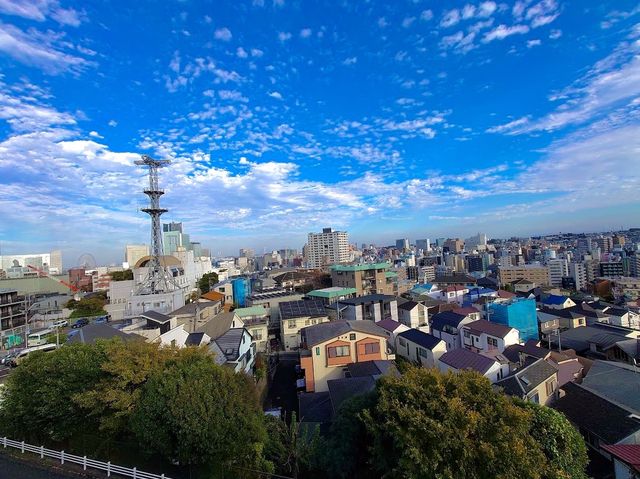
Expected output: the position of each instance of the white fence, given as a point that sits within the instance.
(84, 461)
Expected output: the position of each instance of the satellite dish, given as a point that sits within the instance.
(87, 261)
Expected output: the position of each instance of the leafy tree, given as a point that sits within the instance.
(126, 369)
(38, 400)
(431, 425)
(207, 280)
(89, 306)
(347, 454)
(562, 445)
(197, 412)
(294, 450)
(125, 275)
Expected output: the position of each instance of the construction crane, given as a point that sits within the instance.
(74, 289)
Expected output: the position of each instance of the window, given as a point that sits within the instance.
(551, 387)
(352, 336)
(339, 351)
(581, 322)
(257, 334)
(292, 324)
(371, 348)
(493, 343)
(467, 333)
(306, 322)
(402, 342)
(423, 352)
(318, 351)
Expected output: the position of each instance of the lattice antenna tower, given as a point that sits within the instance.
(158, 279)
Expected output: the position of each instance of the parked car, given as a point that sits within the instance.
(61, 323)
(101, 320)
(80, 323)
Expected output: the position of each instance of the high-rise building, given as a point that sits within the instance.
(423, 244)
(558, 269)
(611, 269)
(402, 244)
(475, 263)
(454, 245)
(17, 265)
(133, 253)
(366, 278)
(605, 243)
(327, 248)
(475, 242)
(579, 274)
(535, 273)
(247, 253)
(174, 238)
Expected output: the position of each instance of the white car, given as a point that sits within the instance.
(61, 323)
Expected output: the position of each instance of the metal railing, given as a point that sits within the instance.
(83, 461)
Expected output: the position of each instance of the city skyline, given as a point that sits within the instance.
(388, 121)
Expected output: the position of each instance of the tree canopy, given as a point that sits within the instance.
(207, 280)
(125, 275)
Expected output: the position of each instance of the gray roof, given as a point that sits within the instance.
(94, 331)
(315, 407)
(190, 308)
(465, 359)
(527, 379)
(408, 305)
(595, 414)
(345, 388)
(155, 316)
(218, 325)
(530, 348)
(369, 298)
(319, 333)
(300, 309)
(194, 339)
(616, 382)
(492, 329)
(375, 368)
(425, 340)
(230, 343)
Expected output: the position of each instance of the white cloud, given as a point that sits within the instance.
(40, 10)
(43, 50)
(241, 53)
(276, 94)
(284, 36)
(305, 33)
(486, 9)
(502, 31)
(95, 134)
(408, 21)
(542, 13)
(533, 43)
(460, 42)
(468, 11)
(382, 22)
(112, 123)
(350, 61)
(255, 52)
(509, 127)
(426, 15)
(450, 18)
(223, 34)
(555, 34)
(232, 95)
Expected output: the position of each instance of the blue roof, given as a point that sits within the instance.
(554, 299)
(479, 290)
(446, 318)
(426, 340)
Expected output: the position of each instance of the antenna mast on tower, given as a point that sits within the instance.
(158, 279)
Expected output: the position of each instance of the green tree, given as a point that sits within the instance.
(90, 306)
(347, 454)
(197, 412)
(38, 399)
(431, 425)
(125, 275)
(207, 280)
(126, 369)
(561, 443)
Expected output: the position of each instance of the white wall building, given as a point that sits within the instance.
(579, 274)
(327, 248)
(558, 268)
(133, 253)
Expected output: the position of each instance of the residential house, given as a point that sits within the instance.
(554, 301)
(624, 350)
(226, 289)
(592, 340)
(420, 347)
(256, 320)
(413, 314)
(238, 348)
(462, 359)
(600, 421)
(484, 336)
(447, 325)
(454, 293)
(295, 315)
(220, 324)
(372, 307)
(615, 382)
(626, 460)
(563, 318)
(522, 285)
(392, 329)
(470, 312)
(90, 333)
(536, 381)
(328, 348)
(196, 313)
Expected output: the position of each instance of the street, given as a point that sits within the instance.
(11, 469)
(282, 392)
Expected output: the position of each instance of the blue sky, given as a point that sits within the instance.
(388, 119)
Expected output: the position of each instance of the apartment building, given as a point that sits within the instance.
(372, 307)
(327, 248)
(328, 348)
(295, 315)
(558, 269)
(11, 310)
(366, 278)
(535, 273)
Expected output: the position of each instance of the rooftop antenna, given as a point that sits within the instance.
(158, 280)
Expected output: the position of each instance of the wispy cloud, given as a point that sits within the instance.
(223, 34)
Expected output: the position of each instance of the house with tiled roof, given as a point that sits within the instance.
(464, 359)
(485, 336)
(626, 460)
(392, 328)
(328, 348)
(413, 314)
(447, 325)
(536, 382)
(420, 347)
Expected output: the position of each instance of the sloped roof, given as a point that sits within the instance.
(155, 316)
(345, 388)
(467, 310)
(333, 292)
(190, 308)
(389, 324)
(322, 332)
(488, 327)
(465, 359)
(595, 414)
(302, 308)
(213, 296)
(446, 318)
(408, 305)
(194, 339)
(505, 294)
(375, 368)
(528, 378)
(627, 453)
(218, 325)
(425, 340)
(230, 343)
(94, 331)
(555, 299)
(369, 298)
(615, 381)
